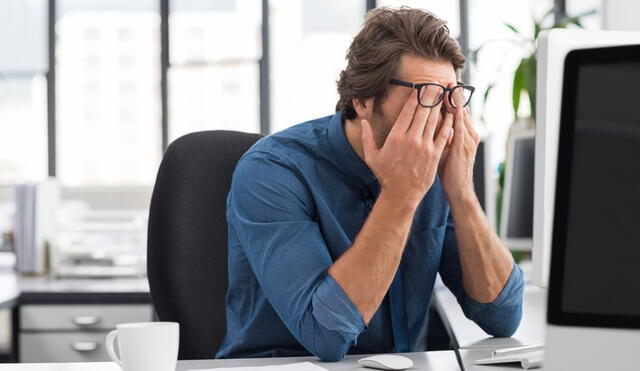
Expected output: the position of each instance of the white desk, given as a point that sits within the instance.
(468, 335)
(9, 292)
(43, 308)
(475, 344)
(16, 289)
(472, 341)
(432, 361)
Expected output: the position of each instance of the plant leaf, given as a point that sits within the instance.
(548, 13)
(576, 20)
(518, 85)
(537, 27)
(485, 96)
(531, 84)
(512, 28)
(571, 20)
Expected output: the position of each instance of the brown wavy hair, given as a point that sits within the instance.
(374, 54)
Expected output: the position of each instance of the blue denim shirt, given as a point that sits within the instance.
(297, 201)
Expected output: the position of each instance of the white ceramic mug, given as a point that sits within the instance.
(145, 346)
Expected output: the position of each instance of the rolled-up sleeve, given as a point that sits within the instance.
(271, 211)
(499, 318)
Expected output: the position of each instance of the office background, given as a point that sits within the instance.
(92, 91)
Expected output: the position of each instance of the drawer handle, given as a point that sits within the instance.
(84, 346)
(85, 320)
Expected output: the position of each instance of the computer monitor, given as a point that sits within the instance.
(594, 287)
(483, 178)
(553, 46)
(516, 221)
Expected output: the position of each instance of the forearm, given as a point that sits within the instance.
(485, 262)
(365, 271)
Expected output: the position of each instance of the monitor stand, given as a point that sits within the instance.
(591, 349)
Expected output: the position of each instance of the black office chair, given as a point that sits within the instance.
(187, 236)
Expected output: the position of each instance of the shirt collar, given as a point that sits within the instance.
(347, 157)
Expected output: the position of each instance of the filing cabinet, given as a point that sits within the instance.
(72, 333)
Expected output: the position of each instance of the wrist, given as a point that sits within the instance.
(402, 201)
(462, 199)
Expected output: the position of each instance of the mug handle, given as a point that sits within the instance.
(111, 337)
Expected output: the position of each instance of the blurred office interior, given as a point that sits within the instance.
(93, 91)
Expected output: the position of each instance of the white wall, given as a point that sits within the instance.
(98, 197)
(621, 15)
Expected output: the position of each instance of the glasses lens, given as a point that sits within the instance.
(430, 95)
(460, 96)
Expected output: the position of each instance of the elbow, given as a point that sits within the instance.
(503, 331)
(507, 326)
(330, 355)
(330, 346)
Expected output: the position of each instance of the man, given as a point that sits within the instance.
(338, 226)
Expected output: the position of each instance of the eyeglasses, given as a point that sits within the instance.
(430, 95)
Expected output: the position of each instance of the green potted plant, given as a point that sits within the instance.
(524, 79)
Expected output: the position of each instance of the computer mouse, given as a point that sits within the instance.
(387, 362)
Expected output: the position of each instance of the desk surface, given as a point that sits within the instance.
(14, 288)
(472, 341)
(433, 361)
(468, 335)
(84, 285)
(9, 291)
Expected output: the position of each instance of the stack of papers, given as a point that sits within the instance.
(35, 208)
(301, 366)
(25, 198)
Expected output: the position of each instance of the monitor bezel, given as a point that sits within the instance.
(514, 243)
(555, 314)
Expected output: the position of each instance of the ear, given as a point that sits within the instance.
(364, 108)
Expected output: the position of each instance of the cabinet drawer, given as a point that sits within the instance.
(74, 317)
(63, 347)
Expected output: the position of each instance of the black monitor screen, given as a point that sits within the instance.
(598, 192)
(478, 175)
(520, 222)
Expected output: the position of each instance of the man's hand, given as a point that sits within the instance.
(406, 165)
(459, 157)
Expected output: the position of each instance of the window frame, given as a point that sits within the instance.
(264, 68)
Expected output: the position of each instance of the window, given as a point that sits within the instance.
(25, 50)
(578, 7)
(23, 128)
(23, 96)
(500, 52)
(214, 58)
(309, 41)
(108, 96)
(108, 68)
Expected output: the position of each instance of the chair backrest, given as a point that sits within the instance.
(187, 236)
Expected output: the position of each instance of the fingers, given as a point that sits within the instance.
(368, 141)
(469, 125)
(420, 117)
(406, 114)
(426, 118)
(432, 123)
(445, 132)
(458, 127)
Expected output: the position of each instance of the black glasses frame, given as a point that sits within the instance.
(445, 90)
